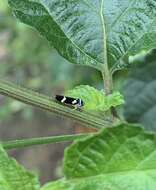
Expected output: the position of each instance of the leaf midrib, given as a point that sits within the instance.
(104, 34)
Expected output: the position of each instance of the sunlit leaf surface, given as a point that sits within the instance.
(122, 157)
(91, 32)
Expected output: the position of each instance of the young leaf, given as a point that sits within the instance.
(14, 176)
(92, 32)
(140, 92)
(122, 157)
(95, 100)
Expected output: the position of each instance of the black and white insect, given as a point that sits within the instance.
(75, 102)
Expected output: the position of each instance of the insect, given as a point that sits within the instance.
(76, 102)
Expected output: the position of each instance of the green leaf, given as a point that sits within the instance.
(140, 91)
(13, 176)
(95, 100)
(121, 157)
(92, 32)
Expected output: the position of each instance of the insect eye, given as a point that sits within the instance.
(80, 102)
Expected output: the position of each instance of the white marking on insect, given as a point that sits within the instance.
(64, 98)
(74, 101)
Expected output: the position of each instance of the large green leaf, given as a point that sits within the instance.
(95, 100)
(118, 158)
(140, 91)
(15, 177)
(89, 32)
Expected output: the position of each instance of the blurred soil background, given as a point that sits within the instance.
(26, 59)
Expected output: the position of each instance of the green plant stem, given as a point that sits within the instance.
(47, 103)
(40, 140)
(107, 79)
